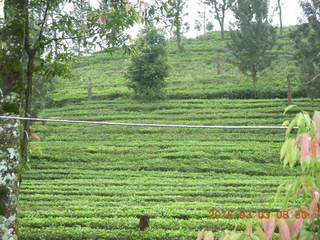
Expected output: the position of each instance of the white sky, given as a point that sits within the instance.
(291, 14)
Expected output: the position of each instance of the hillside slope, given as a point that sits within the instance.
(193, 73)
(93, 182)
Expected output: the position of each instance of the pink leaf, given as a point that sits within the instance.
(315, 149)
(146, 5)
(269, 225)
(305, 147)
(297, 225)
(284, 230)
(200, 235)
(316, 119)
(314, 209)
(102, 20)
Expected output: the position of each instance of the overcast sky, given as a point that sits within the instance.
(291, 14)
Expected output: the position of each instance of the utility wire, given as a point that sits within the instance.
(141, 124)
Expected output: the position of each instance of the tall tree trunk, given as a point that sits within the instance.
(222, 29)
(178, 36)
(12, 88)
(27, 108)
(280, 16)
(254, 75)
(204, 20)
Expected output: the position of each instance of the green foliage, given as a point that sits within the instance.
(149, 67)
(219, 9)
(307, 42)
(173, 17)
(46, 73)
(253, 38)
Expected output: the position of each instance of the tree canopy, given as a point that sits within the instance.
(252, 37)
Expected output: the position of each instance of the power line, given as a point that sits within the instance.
(141, 124)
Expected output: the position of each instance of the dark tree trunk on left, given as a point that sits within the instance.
(12, 89)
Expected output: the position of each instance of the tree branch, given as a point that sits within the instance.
(44, 21)
(313, 79)
(60, 39)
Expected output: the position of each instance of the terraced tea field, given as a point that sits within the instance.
(192, 73)
(91, 182)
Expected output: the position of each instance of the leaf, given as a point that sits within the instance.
(128, 7)
(297, 226)
(289, 108)
(316, 119)
(291, 126)
(200, 235)
(35, 137)
(284, 230)
(209, 236)
(315, 149)
(314, 210)
(102, 20)
(269, 225)
(138, 18)
(286, 123)
(294, 156)
(248, 231)
(260, 232)
(284, 148)
(305, 147)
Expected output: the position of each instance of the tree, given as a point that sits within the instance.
(29, 32)
(253, 38)
(220, 8)
(11, 93)
(203, 16)
(80, 13)
(306, 40)
(149, 66)
(279, 6)
(173, 14)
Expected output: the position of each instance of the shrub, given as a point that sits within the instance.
(149, 68)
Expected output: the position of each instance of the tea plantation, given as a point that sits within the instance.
(93, 182)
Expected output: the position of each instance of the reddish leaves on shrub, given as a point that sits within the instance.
(284, 230)
(200, 235)
(316, 119)
(269, 225)
(297, 225)
(305, 147)
(315, 149)
(314, 210)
